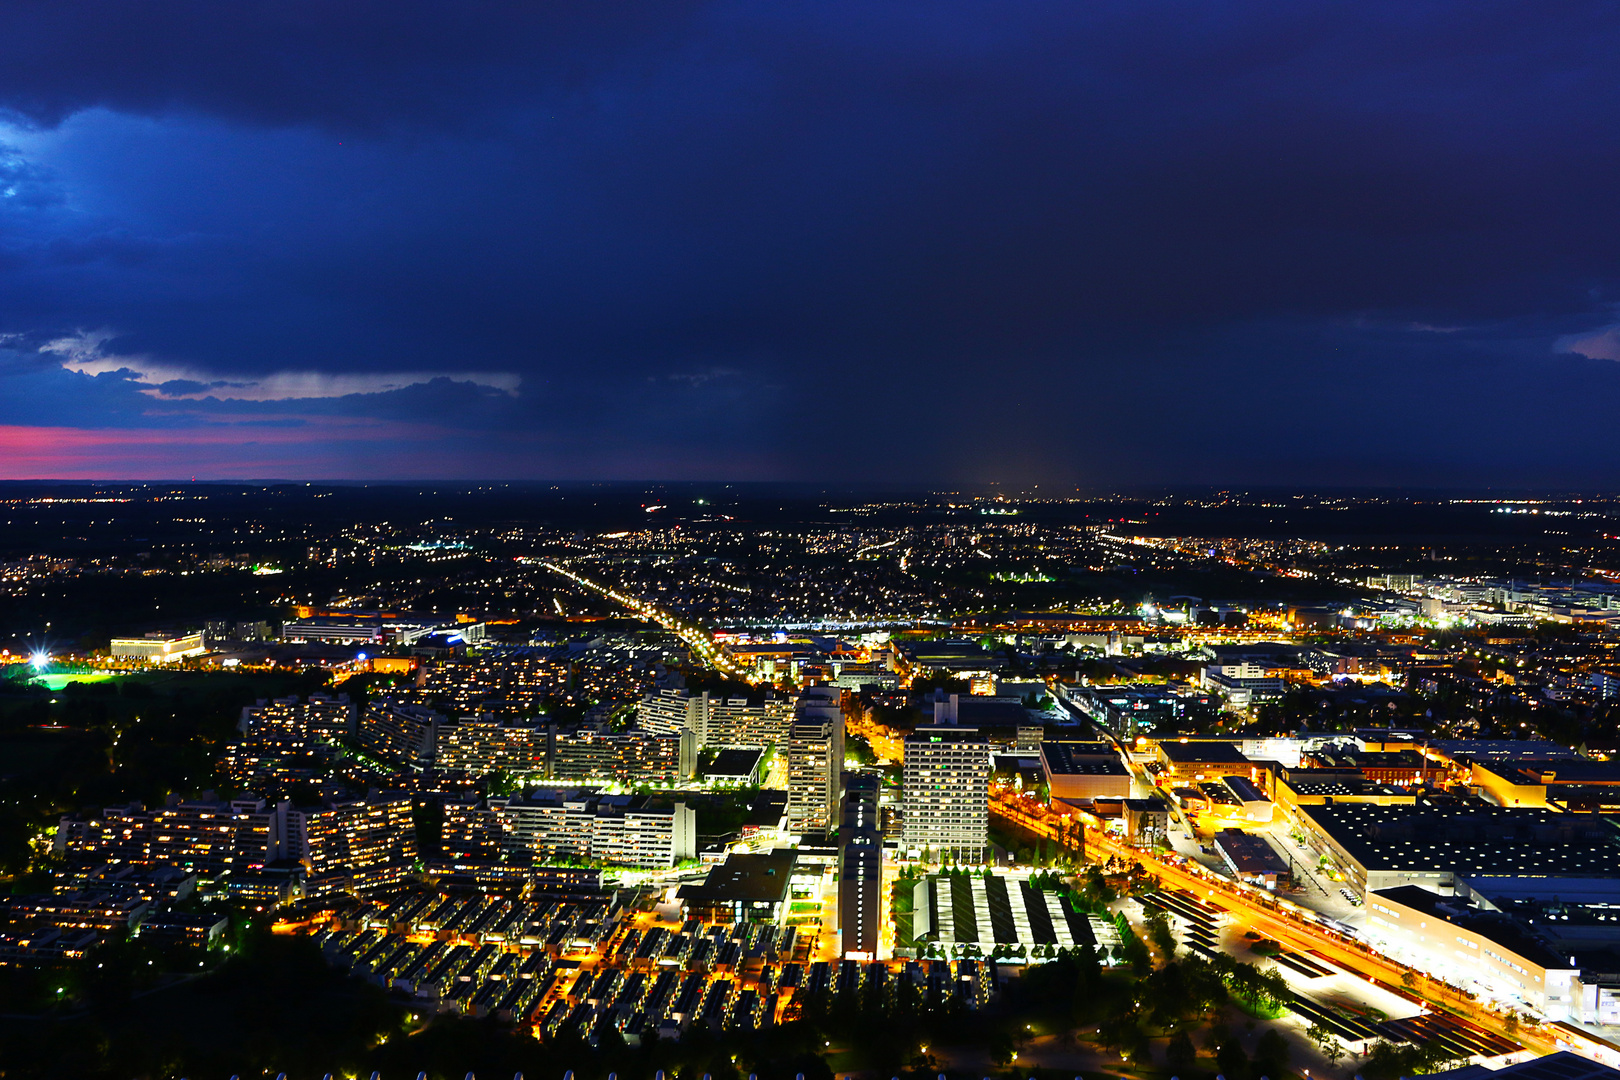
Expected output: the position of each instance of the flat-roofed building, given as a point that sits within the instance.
(158, 647)
(158, 885)
(1464, 944)
(945, 792)
(746, 887)
(860, 867)
(1403, 766)
(1299, 788)
(857, 676)
(400, 734)
(815, 759)
(631, 757)
(1252, 859)
(356, 630)
(1084, 770)
(75, 911)
(736, 766)
(1431, 844)
(1252, 803)
(735, 722)
(483, 744)
(620, 830)
(288, 738)
(1196, 759)
(1561, 783)
(209, 839)
(670, 712)
(183, 929)
(351, 845)
(716, 721)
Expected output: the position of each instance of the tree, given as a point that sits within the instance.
(1387, 1059)
(1327, 1042)
(1158, 928)
(1271, 1054)
(1232, 1061)
(1001, 1049)
(1181, 1055)
(1120, 1032)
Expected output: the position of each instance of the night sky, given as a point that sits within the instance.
(1071, 243)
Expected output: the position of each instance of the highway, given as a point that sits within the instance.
(698, 639)
(1267, 916)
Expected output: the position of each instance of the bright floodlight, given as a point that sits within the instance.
(40, 660)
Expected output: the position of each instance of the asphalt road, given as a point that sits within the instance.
(1290, 929)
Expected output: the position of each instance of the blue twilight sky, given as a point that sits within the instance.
(1061, 243)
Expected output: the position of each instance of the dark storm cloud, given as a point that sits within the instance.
(997, 241)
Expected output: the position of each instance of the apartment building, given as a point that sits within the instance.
(399, 734)
(289, 725)
(945, 792)
(619, 830)
(288, 737)
(626, 758)
(717, 722)
(483, 744)
(815, 759)
(209, 839)
(351, 845)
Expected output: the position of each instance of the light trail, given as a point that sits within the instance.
(697, 638)
(1291, 929)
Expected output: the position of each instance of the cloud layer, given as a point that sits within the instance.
(1016, 241)
(86, 354)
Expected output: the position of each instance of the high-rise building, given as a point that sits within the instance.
(627, 758)
(717, 722)
(287, 738)
(399, 734)
(670, 712)
(351, 844)
(468, 830)
(619, 830)
(815, 759)
(946, 792)
(860, 867)
(734, 722)
(482, 745)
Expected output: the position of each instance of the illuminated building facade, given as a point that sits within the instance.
(946, 792)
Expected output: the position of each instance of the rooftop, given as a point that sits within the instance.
(752, 878)
(1202, 753)
(1531, 771)
(1472, 839)
(1560, 1066)
(1494, 926)
(1250, 854)
(1076, 759)
(1245, 789)
(737, 761)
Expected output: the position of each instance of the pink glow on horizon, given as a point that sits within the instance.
(329, 448)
